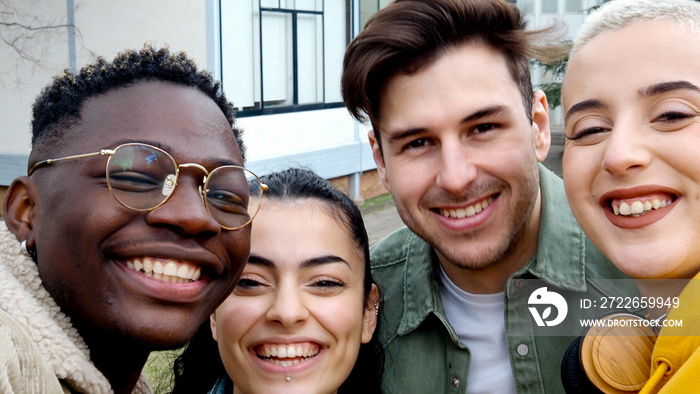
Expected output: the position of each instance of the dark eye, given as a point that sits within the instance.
(251, 285)
(483, 128)
(328, 283)
(415, 144)
(227, 201)
(673, 117)
(246, 283)
(132, 181)
(586, 132)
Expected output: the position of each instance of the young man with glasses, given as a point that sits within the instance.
(457, 136)
(131, 226)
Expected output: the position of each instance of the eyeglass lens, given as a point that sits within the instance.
(143, 177)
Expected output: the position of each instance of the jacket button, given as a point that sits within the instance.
(523, 350)
(456, 382)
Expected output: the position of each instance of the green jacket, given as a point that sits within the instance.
(422, 351)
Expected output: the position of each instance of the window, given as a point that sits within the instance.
(573, 6)
(550, 6)
(369, 8)
(282, 55)
(526, 6)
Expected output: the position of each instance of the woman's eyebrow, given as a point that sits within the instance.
(583, 106)
(259, 260)
(321, 260)
(312, 262)
(664, 87)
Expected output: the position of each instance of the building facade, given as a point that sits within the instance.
(279, 62)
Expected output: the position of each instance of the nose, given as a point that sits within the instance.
(185, 211)
(456, 168)
(627, 149)
(289, 307)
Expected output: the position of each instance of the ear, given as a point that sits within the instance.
(540, 125)
(20, 209)
(212, 325)
(369, 320)
(378, 158)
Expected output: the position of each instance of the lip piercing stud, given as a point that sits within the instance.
(288, 378)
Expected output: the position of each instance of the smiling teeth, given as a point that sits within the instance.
(639, 208)
(284, 355)
(166, 270)
(468, 211)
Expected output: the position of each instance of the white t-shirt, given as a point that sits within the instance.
(478, 320)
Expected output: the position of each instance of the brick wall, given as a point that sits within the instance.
(370, 185)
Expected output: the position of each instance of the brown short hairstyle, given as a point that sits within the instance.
(408, 35)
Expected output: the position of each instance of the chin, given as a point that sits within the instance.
(163, 336)
(287, 388)
(642, 265)
(162, 340)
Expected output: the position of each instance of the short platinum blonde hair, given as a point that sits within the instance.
(618, 14)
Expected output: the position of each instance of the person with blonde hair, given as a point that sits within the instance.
(631, 98)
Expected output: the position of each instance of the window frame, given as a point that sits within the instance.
(258, 82)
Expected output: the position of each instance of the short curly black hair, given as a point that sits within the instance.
(59, 104)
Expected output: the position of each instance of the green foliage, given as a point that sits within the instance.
(553, 89)
(557, 69)
(553, 92)
(159, 369)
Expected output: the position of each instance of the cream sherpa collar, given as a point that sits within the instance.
(24, 297)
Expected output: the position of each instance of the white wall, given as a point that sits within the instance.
(108, 27)
(326, 140)
(103, 28)
(297, 132)
(20, 80)
(307, 138)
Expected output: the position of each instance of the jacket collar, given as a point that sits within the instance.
(25, 299)
(561, 246)
(559, 259)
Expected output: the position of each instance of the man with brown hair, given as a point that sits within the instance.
(457, 137)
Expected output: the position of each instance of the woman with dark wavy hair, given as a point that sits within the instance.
(303, 315)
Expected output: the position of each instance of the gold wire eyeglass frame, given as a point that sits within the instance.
(202, 189)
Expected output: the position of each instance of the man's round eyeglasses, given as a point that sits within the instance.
(142, 177)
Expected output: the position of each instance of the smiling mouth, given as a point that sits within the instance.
(639, 207)
(468, 211)
(287, 355)
(166, 270)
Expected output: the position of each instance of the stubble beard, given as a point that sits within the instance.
(519, 214)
